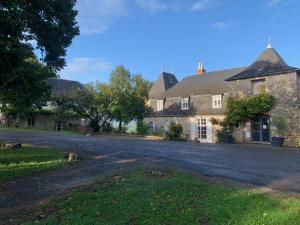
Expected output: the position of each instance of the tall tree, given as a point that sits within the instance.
(141, 88)
(49, 23)
(129, 95)
(121, 91)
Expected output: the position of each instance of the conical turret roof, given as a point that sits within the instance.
(164, 82)
(268, 63)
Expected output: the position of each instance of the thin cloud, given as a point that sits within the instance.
(86, 68)
(221, 26)
(205, 4)
(151, 6)
(273, 3)
(96, 16)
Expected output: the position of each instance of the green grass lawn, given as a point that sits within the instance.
(25, 161)
(173, 198)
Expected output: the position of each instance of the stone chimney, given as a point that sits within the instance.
(200, 70)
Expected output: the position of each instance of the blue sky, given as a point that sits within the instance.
(148, 35)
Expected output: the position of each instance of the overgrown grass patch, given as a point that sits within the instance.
(27, 160)
(144, 197)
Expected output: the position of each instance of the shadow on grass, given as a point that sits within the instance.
(168, 197)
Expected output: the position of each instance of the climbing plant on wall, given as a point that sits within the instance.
(241, 110)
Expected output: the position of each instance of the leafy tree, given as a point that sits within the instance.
(141, 86)
(121, 95)
(26, 89)
(129, 96)
(51, 23)
(92, 103)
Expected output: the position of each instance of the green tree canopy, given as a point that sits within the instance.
(92, 103)
(129, 95)
(51, 24)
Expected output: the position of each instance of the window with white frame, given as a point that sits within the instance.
(184, 103)
(217, 101)
(160, 105)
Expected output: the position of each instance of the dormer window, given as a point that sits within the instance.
(160, 105)
(184, 103)
(217, 101)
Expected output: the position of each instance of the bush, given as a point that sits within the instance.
(160, 132)
(175, 132)
(280, 125)
(142, 128)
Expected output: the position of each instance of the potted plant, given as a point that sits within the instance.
(280, 126)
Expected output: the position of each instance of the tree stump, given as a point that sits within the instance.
(72, 156)
(2, 144)
(16, 146)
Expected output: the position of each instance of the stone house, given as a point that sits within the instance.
(197, 99)
(45, 119)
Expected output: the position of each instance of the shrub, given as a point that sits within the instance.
(159, 132)
(280, 125)
(175, 132)
(142, 128)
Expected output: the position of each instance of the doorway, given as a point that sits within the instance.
(261, 129)
(204, 130)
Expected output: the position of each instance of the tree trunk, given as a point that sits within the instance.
(120, 126)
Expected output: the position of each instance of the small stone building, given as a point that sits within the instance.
(197, 99)
(46, 119)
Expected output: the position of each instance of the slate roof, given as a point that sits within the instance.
(269, 63)
(61, 86)
(164, 82)
(208, 83)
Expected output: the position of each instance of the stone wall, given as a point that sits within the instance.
(285, 89)
(199, 105)
(164, 122)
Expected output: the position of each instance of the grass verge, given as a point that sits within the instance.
(144, 197)
(36, 130)
(27, 160)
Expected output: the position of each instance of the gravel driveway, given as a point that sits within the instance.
(277, 168)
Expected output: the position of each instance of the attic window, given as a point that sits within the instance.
(184, 103)
(160, 105)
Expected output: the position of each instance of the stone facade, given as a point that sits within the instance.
(285, 88)
(269, 73)
(189, 124)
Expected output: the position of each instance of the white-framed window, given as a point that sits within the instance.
(160, 105)
(184, 103)
(217, 101)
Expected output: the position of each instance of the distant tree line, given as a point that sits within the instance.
(122, 99)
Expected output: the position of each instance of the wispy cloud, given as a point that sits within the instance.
(151, 6)
(84, 69)
(95, 16)
(221, 26)
(273, 3)
(205, 4)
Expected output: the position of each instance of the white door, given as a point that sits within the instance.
(194, 132)
(204, 130)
